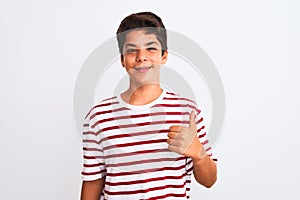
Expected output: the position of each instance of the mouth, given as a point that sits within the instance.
(142, 69)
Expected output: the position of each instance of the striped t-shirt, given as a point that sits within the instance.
(127, 144)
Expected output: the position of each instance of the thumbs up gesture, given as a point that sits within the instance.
(184, 140)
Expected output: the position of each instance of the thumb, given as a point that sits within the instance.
(193, 121)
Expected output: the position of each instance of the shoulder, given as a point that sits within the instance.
(171, 97)
(102, 106)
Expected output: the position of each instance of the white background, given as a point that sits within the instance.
(254, 45)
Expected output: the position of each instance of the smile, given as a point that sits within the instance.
(142, 69)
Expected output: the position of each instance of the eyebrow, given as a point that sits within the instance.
(150, 43)
(147, 44)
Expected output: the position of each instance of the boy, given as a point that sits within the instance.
(145, 142)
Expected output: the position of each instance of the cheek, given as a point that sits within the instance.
(155, 57)
(128, 59)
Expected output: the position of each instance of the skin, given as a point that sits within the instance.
(142, 59)
(91, 190)
(183, 140)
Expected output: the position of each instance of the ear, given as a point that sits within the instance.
(164, 57)
(122, 60)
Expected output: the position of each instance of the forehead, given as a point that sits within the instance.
(140, 38)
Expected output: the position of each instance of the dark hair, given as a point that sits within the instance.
(147, 21)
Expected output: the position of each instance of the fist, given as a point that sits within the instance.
(183, 140)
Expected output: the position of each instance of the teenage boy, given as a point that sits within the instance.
(146, 142)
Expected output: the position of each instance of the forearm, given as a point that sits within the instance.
(91, 190)
(205, 171)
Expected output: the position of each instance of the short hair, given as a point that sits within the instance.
(147, 21)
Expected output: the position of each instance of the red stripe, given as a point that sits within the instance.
(109, 111)
(202, 135)
(93, 173)
(89, 112)
(189, 164)
(205, 142)
(146, 171)
(90, 141)
(126, 135)
(138, 116)
(136, 153)
(143, 124)
(92, 157)
(122, 154)
(208, 149)
(190, 169)
(134, 134)
(200, 120)
(189, 161)
(198, 131)
(175, 105)
(144, 161)
(96, 106)
(92, 149)
(88, 133)
(93, 165)
(134, 143)
(144, 190)
(106, 104)
(179, 98)
(145, 180)
(114, 97)
(171, 93)
(167, 195)
(126, 154)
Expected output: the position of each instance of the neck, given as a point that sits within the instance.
(142, 95)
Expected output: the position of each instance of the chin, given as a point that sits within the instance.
(141, 83)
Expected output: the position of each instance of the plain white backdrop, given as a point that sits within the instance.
(254, 44)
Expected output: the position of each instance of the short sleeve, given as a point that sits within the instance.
(202, 136)
(201, 131)
(93, 158)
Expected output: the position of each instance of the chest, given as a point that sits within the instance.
(138, 139)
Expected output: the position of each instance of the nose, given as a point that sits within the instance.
(141, 55)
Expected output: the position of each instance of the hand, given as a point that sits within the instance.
(184, 140)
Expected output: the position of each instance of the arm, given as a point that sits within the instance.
(91, 190)
(184, 140)
(205, 169)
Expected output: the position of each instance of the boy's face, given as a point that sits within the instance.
(142, 57)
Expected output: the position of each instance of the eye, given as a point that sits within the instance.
(130, 50)
(151, 49)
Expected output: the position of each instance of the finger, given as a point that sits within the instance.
(172, 142)
(168, 141)
(172, 135)
(193, 120)
(173, 148)
(174, 128)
